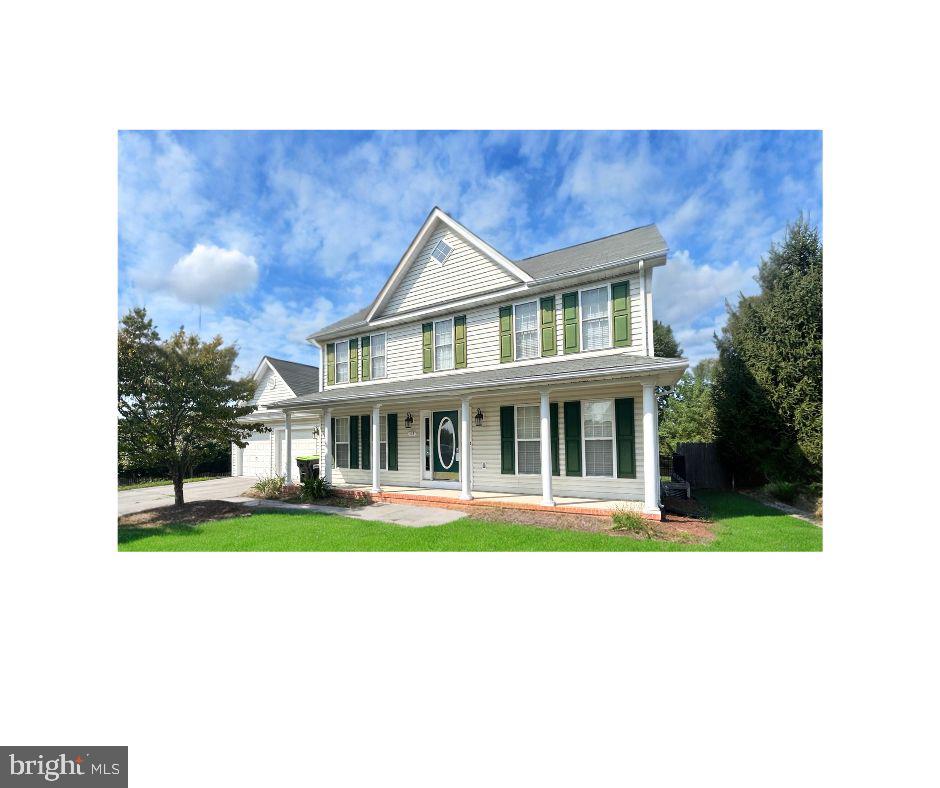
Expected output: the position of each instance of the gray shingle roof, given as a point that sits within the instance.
(302, 378)
(608, 365)
(639, 242)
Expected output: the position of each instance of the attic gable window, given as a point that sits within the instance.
(440, 252)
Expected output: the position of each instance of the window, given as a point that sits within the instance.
(441, 252)
(383, 442)
(444, 344)
(377, 355)
(342, 442)
(595, 319)
(528, 443)
(342, 362)
(598, 422)
(527, 330)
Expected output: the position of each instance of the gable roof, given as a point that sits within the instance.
(302, 379)
(638, 243)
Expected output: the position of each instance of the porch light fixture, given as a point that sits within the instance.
(409, 421)
(478, 418)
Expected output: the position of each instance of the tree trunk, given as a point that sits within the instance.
(178, 485)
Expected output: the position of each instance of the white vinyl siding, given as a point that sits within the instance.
(598, 435)
(465, 272)
(271, 388)
(443, 344)
(377, 356)
(595, 318)
(342, 441)
(342, 362)
(528, 440)
(526, 319)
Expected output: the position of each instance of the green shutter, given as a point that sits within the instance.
(553, 419)
(626, 438)
(330, 364)
(548, 326)
(460, 342)
(620, 294)
(569, 305)
(507, 436)
(366, 423)
(333, 443)
(353, 442)
(427, 345)
(572, 439)
(505, 333)
(391, 438)
(353, 360)
(366, 370)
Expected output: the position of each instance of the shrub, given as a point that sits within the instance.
(782, 491)
(316, 489)
(269, 487)
(629, 521)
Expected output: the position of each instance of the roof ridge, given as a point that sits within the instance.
(582, 243)
(288, 361)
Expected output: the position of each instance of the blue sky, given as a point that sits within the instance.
(270, 235)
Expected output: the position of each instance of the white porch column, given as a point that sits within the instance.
(375, 449)
(287, 436)
(465, 468)
(545, 445)
(650, 450)
(327, 433)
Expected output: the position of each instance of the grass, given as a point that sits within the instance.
(741, 525)
(163, 482)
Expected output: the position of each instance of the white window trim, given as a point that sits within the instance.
(345, 443)
(453, 344)
(515, 421)
(450, 247)
(336, 379)
(538, 327)
(613, 438)
(385, 356)
(610, 319)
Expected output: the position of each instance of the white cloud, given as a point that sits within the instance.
(208, 274)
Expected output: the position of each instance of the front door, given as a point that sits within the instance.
(445, 448)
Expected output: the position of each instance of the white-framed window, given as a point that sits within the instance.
(528, 440)
(441, 252)
(377, 356)
(342, 441)
(595, 318)
(444, 344)
(342, 362)
(526, 318)
(597, 423)
(383, 441)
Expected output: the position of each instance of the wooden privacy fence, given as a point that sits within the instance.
(700, 465)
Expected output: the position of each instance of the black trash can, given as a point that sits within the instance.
(309, 468)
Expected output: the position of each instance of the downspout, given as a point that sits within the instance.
(647, 344)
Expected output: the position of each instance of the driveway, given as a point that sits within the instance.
(151, 497)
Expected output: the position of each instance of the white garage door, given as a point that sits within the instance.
(257, 457)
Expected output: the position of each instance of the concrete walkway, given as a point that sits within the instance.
(398, 513)
(150, 497)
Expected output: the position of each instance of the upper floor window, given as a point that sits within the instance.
(342, 362)
(527, 330)
(595, 318)
(377, 355)
(598, 423)
(444, 344)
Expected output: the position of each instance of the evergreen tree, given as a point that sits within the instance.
(689, 412)
(664, 342)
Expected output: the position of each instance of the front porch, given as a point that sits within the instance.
(450, 499)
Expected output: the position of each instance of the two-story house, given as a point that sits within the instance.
(477, 373)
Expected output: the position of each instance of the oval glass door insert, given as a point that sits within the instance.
(446, 443)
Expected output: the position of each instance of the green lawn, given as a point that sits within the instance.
(163, 482)
(742, 524)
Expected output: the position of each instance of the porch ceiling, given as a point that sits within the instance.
(664, 371)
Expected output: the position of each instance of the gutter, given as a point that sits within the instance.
(667, 366)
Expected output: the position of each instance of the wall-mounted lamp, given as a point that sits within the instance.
(409, 421)
(478, 418)
(316, 432)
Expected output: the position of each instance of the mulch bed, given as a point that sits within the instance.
(187, 514)
(672, 529)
